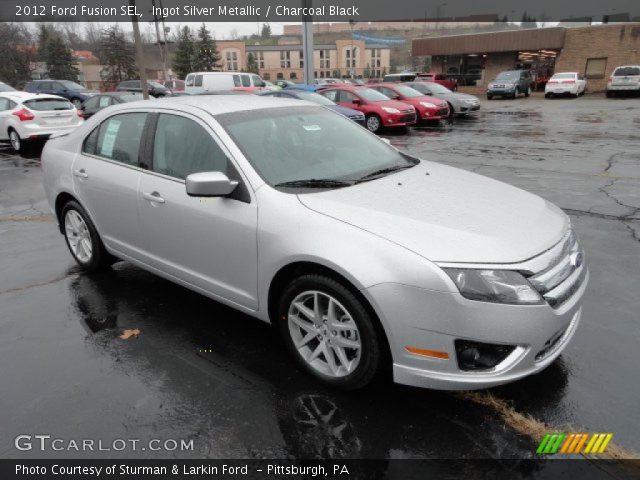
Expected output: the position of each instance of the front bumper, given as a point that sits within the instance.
(501, 91)
(434, 320)
(403, 119)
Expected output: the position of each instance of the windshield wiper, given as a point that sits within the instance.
(314, 183)
(383, 171)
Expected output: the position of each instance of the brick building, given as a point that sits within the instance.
(285, 60)
(590, 50)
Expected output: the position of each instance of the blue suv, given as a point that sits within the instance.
(72, 91)
(510, 84)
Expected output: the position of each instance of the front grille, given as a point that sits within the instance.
(563, 271)
(408, 118)
(443, 112)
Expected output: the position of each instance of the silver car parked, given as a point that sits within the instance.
(459, 103)
(363, 257)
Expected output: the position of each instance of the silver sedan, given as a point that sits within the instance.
(361, 256)
(459, 103)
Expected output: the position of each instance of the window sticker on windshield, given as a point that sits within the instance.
(312, 128)
(110, 138)
(104, 101)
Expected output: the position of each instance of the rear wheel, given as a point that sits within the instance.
(82, 238)
(452, 112)
(489, 96)
(547, 95)
(16, 141)
(329, 332)
(374, 123)
(609, 94)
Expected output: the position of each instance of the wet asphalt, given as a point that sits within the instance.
(202, 371)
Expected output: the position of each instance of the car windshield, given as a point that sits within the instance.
(71, 85)
(560, 76)
(624, 71)
(154, 84)
(48, 104)
(435, 88)
(371, 95)
(314, 97)
(408, 92)
(309, 143)
(131, 97)
(508, 76)
(6, 88)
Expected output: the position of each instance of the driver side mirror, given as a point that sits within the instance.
(209, 184)
(356, 101)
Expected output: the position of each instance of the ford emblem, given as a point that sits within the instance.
(576, 259)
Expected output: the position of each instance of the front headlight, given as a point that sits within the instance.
(427, 105)
(391, 110)
(496, 286)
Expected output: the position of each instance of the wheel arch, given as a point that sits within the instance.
(61, 200)
(298, 268)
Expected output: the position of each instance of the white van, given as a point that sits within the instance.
(199, 82)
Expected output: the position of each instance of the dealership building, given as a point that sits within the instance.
(593, 51)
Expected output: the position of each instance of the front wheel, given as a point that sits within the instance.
(82, 238)
(374, 123)
(329, 332)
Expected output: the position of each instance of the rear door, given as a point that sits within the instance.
(6, 107)
(106, 175)
(210, 243)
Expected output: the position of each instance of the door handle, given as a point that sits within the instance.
(153, 197)
(80, 173)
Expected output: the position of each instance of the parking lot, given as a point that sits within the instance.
(199, 370)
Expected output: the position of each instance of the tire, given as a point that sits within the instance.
(373, 123)
(547, 95)
(452, 112)
(610, 94)
(16, 142)
(345, 358)
(515, 93)
(82, 238)
(527, 93)
(489, 96)
(76, 103)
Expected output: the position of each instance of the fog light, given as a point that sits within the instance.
(480, 356)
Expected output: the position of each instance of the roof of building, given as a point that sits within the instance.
(276, 48)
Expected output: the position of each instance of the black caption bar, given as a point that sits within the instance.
(474, 11)
(308, 469)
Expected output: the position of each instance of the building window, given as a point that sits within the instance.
(324, 59)
(595, 67)
(301, 59)
(293, 76)
(350, 57)
(280, 76)
(260, 59)
(232, 60)
(376, 57)
(266, 76)
(285, 59)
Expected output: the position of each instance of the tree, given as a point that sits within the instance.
(184, 53)
(384, 71)
(206, 55)
(252, 65)
(117, 56)
(60, 62)
(15, 67)
(367, 71)
(266, 31)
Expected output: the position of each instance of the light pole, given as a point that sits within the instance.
(352, 23)
(139, 53)
(307, 43)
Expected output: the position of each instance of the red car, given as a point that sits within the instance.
(427, 107)
(440, 78)
(379, 110)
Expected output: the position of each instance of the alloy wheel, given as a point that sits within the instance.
(76, 103)
(14, 138)
(78, 236)
(373, 123)
(324, 333)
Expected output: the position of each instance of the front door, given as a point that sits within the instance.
(207, 242)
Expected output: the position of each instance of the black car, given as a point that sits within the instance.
(155, 89)
(104, 100)
(72, 91)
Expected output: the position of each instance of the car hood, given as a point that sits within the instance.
(347, 112)
(447, 215)
(431, 99)
(393, 104)
(458, 96)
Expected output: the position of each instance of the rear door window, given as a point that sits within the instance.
(236, 80)
(182, 147)
(117, 138)
(198, 81)
(331, 95)
(189, 80)
(45, 86)
(246, 80)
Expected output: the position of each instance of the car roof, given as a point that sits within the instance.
(214, 104)
(23, 96)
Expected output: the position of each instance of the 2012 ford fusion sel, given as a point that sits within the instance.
(363, 257)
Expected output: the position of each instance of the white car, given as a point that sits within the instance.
(565, 83)
(206, 82)
(624, 79)
(361, 256)
(29, 116)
